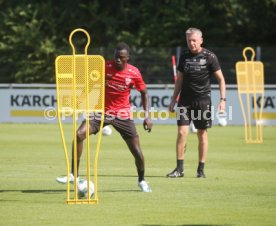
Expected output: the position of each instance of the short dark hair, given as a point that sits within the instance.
(121, 46)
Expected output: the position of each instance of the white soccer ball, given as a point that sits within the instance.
(107, 131)
(192, 128)
(222, 119)
(83, 189)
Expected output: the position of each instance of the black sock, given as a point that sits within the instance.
(141, 174)
(200, 166)
(72, 167)
(179, 165)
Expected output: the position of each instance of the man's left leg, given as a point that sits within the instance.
(202, 151)
(133, 144)
(204, 122)
(127, 129)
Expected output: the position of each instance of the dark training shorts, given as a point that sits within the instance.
(197, 110)
(125, 127)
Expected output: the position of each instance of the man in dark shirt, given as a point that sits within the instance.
(195, 68)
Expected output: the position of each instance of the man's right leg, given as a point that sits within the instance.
(182, 134)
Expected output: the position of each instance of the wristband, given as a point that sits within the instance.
(224, 99)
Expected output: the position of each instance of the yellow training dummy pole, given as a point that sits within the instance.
(80, 82)
(250, 80)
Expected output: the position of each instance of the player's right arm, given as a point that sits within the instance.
(177, 89)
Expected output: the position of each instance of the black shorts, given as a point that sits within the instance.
(125, 127)
(197, 110)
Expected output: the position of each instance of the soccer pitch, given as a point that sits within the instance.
(240, 188)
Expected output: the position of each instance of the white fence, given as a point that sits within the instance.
(36, 103)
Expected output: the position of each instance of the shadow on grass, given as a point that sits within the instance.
(146, 176)
(186, 225)
(36, 191)
(130, 176)
(109, 175)
(112, 191)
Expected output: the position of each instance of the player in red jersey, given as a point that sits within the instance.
(120, 78)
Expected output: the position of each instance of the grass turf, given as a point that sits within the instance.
(240, 188)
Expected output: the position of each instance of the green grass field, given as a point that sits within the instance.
(240, 188)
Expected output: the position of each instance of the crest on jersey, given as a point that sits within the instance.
(202, 61)
(128, 81)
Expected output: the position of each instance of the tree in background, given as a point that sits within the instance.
(34, 32)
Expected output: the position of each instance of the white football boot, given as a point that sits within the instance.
(63, 180)
(143, 185)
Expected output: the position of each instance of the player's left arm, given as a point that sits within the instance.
(219, 76)
(145, 102)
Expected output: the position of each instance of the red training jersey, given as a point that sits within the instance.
(118, 85)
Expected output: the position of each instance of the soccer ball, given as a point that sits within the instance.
(222, 118)
(107, 131)
(192, 128)
(83, 189)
